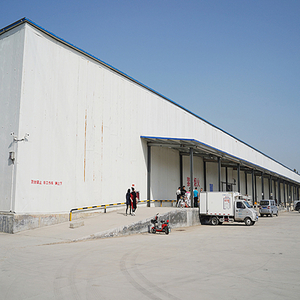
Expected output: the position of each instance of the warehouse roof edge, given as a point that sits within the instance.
(30, 22)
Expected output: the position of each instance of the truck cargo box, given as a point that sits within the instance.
(217, 203)
(219, 207)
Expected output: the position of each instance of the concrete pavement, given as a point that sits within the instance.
(112, 223)
(231, 261)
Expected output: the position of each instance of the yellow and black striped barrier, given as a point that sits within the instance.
(161, 201)
(104, 206)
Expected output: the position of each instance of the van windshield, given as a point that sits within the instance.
(264, 202)
(247, 204)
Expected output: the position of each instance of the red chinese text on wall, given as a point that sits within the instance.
(46, 182)
(196, 182)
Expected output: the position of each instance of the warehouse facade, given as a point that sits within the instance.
(77, 132)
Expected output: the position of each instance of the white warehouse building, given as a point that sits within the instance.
(76, 132)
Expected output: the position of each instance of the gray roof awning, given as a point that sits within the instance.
(208, 153)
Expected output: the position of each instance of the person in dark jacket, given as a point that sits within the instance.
(133, 201)
(183, 192)
(128, 202)
(178, 194)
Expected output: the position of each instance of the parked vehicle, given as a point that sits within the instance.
(219, 207)
(268, 208)
(295, 203)
(162, 227)
(297, 207)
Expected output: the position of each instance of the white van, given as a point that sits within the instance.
(268, 207)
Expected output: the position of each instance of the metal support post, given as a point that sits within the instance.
(148, 174)
(219, 174)
(204, 177)
(226, 179)
(275, 191)
(270, 187)
(279, 194)
(284, 196)
(294, 192)
(181, 170)
(246, 183)
(262, 186)
(239, 177)
(192, 177)
(289, 193)
(253, 188)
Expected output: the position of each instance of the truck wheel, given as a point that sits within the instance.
(203, 220)
(214, 221)
(248, 221)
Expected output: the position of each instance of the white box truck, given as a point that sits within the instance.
(219, 207)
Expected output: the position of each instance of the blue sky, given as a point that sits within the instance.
(234, 63)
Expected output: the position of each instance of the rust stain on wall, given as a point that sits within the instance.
(84, 162)
(102, 130)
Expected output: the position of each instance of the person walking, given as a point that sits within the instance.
(188, 197)
(195, 197)
(178, 193)
(133, 200)
(128, 202)
(183, 191)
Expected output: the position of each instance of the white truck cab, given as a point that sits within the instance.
(219, 207)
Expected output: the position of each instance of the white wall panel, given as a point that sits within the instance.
(198, 172)
(85, 123)
(11, 61)
(212, 176)
(242, 182)
(164, 173)
(266, 188)
(234, 180)
(85, 132)
(259, 188)
(249, 185)
(185, 171)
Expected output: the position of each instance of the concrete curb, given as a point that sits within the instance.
(177, 218)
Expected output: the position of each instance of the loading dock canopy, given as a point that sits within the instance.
(208, 153)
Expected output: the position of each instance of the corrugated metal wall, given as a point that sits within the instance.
(85, 123)
(11, 61)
